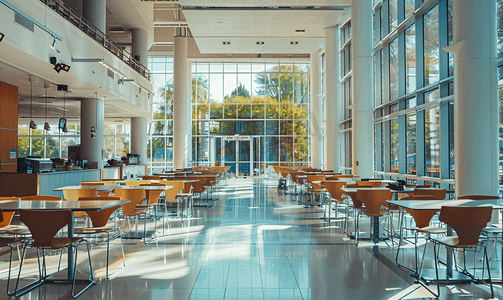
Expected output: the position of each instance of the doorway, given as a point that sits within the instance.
(237, 153)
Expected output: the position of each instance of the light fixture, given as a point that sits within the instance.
(1, 36)
(53, 43)
(62, 121)
(260, 43)
(46, 125)
(58, 67)
(294, 43)
(226, 43)
(32, 123)
(65, 67)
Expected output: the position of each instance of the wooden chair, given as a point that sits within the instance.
(9, 242)
(130, 209)
(174, 194)
(75, 194)
(334, 187)
(374, 200)
(43, 225)
(5, 226)
(137, 182)
(468, 223)
(374, 184)
(422, 219)
(315, 188)
(100, 220)
(153, 197)
(149, 177)
(438, 194)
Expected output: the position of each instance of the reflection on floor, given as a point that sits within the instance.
(254, 243)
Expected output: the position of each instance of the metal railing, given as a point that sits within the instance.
(97, 35)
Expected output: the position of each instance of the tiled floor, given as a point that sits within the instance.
(254, 243)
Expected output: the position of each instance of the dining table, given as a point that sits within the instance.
(99, 188)
(436, 205)
(73, 206)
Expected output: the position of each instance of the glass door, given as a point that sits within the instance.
(238, 155)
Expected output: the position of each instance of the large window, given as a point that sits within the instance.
(410, 59)
(431, 49)
(432, 142)
(393, 69)
(160, 131)
(393, 14)
(261, 101)
(411, 143)
(394, 143)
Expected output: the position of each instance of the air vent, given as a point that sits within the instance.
(117, 29)
(23, 21)
(300, 30)
(110, 73)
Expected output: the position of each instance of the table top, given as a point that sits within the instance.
(99, 188)
(437, 204)
(148, 187)
(354, 190)
(15, 205)
(326, 175)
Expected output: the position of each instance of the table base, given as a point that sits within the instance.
(139, 235)
(367, 236)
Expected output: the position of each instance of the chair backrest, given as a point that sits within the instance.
(153, 195)
(373, 199)
(136, 196)
(75, 194)
(41, 197)
(468, 222)
(439, 194)
(6, 216)
(422, 217)
(198, 186)
(373, 184)
(311, 178)
(334, 188)
(92, 183)
(479, 197)
(44, 224)
(100, 218)
(151, 177)
(177, 186)
(137, 182)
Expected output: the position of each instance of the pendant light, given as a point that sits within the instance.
(65, 130)
(32, 123)
(46, 125)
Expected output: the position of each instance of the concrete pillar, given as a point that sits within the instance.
(362, 62)
(95, 11)
(139, 138)
(189, 113)
(332, 99)
(140, 45)
(316, 113)
(92, 114)
(180, 103)
(475, 97)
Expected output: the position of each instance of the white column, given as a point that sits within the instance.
(189, 112)
(361, 41)
(315, 113)
(92, 114)
(180, 114)
(95, 11)
(475, 97)
(332, 99)
(139, 138)
(140, 45)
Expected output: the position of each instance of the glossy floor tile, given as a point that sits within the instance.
(255, 242)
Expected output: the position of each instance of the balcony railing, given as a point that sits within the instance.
(97, 35)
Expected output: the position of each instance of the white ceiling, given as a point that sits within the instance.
(274, 25)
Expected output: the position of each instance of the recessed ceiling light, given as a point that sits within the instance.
(220, 22)
(260, 43)
(294, 43)
(226, 43)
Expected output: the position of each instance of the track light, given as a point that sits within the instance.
(1, 36)
(58, 67)
(33, 125)
(53, 43)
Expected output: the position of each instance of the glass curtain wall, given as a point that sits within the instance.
(412, 82)
(264, 105)
(54, 143)
(160, 131)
